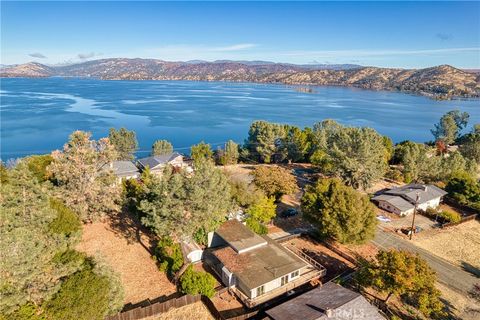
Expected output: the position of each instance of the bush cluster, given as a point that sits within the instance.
(169, 255)
(197, 282)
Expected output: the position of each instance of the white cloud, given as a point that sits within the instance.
(235, 47)
(375, 53)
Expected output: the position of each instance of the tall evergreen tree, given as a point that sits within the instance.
(161, 147)
(81, 172)
(339, 211)
(35, 254)
(450, 125)
(201, 152)
(263, 140)
(125, 143)
(180, 205)
(357, 155)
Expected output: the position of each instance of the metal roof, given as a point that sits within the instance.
(155, 161)
(410, 191)
(238, 236)
(396, 201)
(331, 298)
(122, 168)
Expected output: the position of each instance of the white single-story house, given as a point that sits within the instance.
(123, 169)
(257, 267)
(158, 163)
(402, 200)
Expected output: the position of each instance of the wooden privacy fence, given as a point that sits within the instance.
(465, 219)
(155, 308)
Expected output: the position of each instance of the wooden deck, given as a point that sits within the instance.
(309, 274)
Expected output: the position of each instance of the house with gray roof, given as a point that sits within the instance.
(402, 200)
(255, 267)
(123, 169)
(158, 163)
(329, 301)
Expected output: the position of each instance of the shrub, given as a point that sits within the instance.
(450, 216)
(69, 257)
(394, 174)
(431, 212)
(169, 255)
(85, 295)
(38, 166)
(197, 282)
(256, 226)
(275, 181)
(67, 222)
(26, 312)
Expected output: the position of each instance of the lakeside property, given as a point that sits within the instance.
(186, 112)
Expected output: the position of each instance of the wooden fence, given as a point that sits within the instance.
(155, 308)
(468, 218)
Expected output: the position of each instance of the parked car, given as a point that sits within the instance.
(290, 213)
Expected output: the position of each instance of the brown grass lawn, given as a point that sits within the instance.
(140, 276)
(196, 311)
(459, 244)
(461, 306)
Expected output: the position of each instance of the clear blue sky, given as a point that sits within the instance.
(390, 34)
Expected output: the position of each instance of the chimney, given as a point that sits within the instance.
(329, 312)
(111, 165)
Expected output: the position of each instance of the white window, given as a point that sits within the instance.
(294, 274)
(284, 280)
(260, 290)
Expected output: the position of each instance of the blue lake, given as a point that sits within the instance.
(37, 115)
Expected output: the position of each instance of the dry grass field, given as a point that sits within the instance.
(460, 306)
(139, 274)
(458, 244)
(196, 311)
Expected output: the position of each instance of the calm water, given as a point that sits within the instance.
(37, 115)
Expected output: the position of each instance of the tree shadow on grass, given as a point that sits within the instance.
(129, 226)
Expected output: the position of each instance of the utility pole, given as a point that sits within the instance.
(414, 213)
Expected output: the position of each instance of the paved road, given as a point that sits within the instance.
(448, 273)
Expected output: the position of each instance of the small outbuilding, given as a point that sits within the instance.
(191, 251)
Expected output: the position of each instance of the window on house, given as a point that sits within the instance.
(260, 290)
(284, 280)
(294, 274)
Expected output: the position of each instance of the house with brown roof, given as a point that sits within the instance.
(255, 267)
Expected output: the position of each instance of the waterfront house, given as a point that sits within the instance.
(123, 169)
(158, 163)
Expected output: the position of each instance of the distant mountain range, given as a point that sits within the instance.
(441, 82)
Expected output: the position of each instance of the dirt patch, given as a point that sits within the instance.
(197, 311)
(366, 251)
(129, 257)
(239, 172)
(334, 263)
(381, 185)
(459, 244)
(226, 301)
